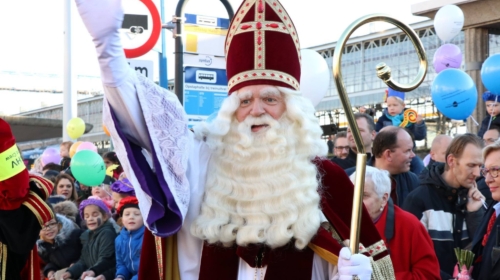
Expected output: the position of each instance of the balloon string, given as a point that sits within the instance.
(474, 120)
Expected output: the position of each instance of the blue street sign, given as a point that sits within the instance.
(204, 91)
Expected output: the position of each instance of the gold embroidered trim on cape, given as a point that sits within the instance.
(324, 254)
(159, 255)
(382, 269)
(264, 75)
(3, 260)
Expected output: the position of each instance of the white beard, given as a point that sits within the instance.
(262, 187)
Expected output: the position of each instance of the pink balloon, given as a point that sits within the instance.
(87, 146)
(50, 155)
(447, 56)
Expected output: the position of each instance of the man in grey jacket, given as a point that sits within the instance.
(448, 201)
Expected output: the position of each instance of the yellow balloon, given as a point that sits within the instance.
(75, 128)
(72, 150)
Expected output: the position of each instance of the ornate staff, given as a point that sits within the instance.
(384, 73)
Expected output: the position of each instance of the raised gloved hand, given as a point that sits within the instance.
(350, 265)
(103, 19)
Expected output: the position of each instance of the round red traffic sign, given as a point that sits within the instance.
(155, 33)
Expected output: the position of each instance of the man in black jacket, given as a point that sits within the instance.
(393, 151)
(448, 201)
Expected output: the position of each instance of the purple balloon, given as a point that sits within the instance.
(50, 155)
(427, 159)
(447, 56)
(86, 146)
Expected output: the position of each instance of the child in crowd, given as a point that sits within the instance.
(103, 192)
(98, 251)
(492, 106)
(59, 245)
(397, 115)
(64, 149)
(121, 189)
(113, 167)
(129, 243)
(394, 114)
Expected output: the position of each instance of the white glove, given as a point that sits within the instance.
(103, 19)
(350, 265)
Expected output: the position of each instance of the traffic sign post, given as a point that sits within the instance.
(141, 27)
(144, 67)
(205, 79)
(204, 91)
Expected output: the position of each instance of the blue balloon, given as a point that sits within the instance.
(454, 94)
(490, 73)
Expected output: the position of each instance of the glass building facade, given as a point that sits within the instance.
(359, 59)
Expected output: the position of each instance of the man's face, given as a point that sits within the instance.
(341, 147)
(400, 157)
(466, 168)
(490, 136)
(259, 100)
(366, 136)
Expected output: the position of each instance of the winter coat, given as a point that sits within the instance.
(98, 252)
(486, 264)
(66, 248)
(443, 212)
(419, 131)
(486, 121)
(128, 253)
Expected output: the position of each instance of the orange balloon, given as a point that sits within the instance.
(72, 150)
(105, 130)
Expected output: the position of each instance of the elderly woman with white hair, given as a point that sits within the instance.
(411, 249)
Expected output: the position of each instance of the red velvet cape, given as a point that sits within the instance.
(336, 203)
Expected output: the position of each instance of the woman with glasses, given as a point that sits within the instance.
(59, 245)
(486, 243)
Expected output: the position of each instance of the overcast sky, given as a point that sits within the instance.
(32, 39)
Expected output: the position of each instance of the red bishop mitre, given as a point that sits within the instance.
(17, 186)
(262, 47)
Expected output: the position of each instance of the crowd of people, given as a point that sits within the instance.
(96, 231)
(452, 198)
(251, 193)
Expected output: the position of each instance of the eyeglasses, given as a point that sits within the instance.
(342, 148)
(493, 171)
(50, 226)
(489, 141)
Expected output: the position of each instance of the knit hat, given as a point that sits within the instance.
(262, 47)
(123, 187)
(390, 92)
(127, 202)
(14, 177)
(488, 96)
(92, 201)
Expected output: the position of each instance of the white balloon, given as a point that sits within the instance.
(448, 22)
(314, 76)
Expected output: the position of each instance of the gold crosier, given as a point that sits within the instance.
(384, 73)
